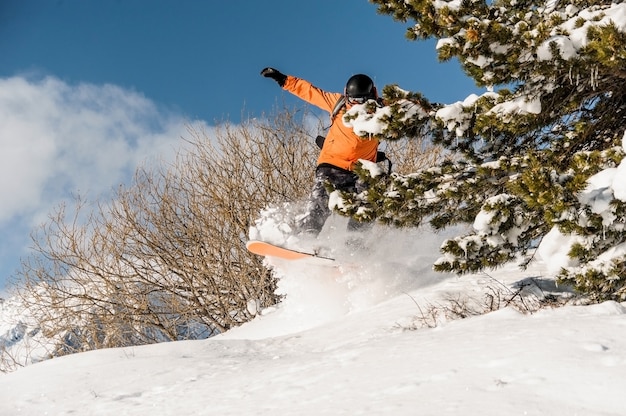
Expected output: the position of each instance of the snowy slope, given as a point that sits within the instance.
(357, 342)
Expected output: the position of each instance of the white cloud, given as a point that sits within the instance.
(58, 138)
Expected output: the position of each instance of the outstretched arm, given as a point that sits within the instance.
(303, 89)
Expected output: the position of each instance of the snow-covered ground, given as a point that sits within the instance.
(361, 341)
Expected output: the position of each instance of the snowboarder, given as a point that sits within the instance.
(342, 147)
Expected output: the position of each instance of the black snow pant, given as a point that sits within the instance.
(317, 211)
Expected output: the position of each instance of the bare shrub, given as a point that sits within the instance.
(165, 259)
(527, 296)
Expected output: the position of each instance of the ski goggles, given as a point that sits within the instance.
(356, 100)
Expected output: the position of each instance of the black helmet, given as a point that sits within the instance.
(360, 86)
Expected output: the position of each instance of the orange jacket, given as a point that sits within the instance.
(342, 147)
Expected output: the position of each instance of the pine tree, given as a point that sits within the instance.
(553, 115)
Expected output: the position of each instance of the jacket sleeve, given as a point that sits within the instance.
(311, 94)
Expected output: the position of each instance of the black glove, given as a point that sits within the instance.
(275, 74)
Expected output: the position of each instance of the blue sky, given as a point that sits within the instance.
(142, 68)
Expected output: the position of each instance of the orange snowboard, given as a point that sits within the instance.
(263, 248)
